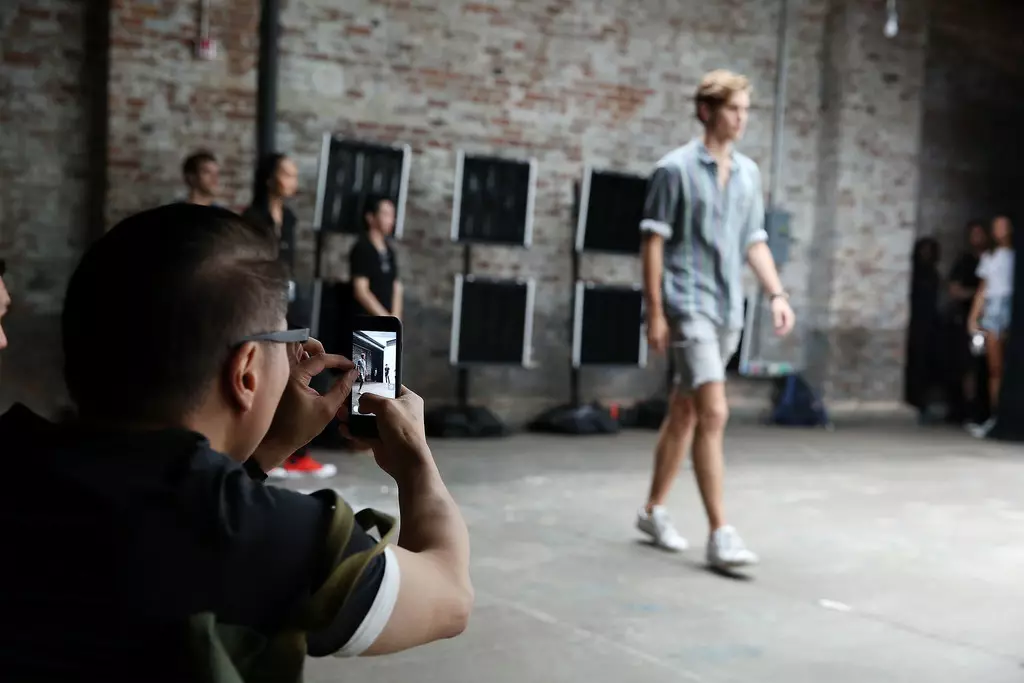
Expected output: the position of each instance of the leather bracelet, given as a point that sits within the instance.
(778, 295)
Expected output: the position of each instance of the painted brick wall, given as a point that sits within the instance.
(51, 96)
(164, 103)
(569, 83)
(869, 185)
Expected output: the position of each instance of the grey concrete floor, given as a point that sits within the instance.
(888, 554)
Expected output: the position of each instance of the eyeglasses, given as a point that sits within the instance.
(297, 336)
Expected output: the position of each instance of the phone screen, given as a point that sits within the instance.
(376, 356)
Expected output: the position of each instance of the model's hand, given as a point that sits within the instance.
(657, 332)
(783, 317)
(303, 413)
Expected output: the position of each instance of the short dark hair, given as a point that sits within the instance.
(159, 302)
(371, 204)
(195, 161)
(266, 169)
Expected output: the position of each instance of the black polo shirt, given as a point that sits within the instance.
(123, 536)
(260, 213)
(379, 267)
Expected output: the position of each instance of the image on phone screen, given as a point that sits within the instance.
(375, 354)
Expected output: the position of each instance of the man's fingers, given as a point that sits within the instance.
(317, 363)
(312, 346)
(359, 444)
(336, 395)
(373, 403)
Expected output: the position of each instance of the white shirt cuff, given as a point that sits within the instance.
(657, 227)
(380, 611)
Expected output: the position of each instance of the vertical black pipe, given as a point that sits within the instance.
(462, 380)
(574, 372)
(266, 83)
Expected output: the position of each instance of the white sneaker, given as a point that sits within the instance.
(980, 431)
(658, 525)
(726, 550)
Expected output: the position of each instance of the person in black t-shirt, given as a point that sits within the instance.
(372, 265)
(277, 180)
(153, 510)
(964, 370)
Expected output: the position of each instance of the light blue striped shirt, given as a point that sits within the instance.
(707, 232)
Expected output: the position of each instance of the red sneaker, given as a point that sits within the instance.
(296, 467)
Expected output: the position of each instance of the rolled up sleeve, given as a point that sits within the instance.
(754, 231)
(662, 205)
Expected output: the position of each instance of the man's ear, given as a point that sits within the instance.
(242, 376)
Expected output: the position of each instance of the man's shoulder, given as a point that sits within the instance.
(679, 158)
(746, 164)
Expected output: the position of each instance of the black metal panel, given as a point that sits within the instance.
(615, 206)
(492, 323)
(494, 201)
(356, 170)
(611, 325)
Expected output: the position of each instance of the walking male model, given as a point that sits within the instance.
(704, 215)
(361, 369)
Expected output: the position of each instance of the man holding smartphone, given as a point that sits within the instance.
(157, 497)
(704, 216)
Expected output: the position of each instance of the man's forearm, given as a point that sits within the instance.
(431, 521)
(653, 265)
(759, 256)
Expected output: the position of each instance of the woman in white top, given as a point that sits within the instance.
(992, 307)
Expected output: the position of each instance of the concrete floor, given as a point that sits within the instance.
(887, 555)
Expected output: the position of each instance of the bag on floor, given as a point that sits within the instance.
(796, 404)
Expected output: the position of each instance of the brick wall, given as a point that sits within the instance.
(569, 82)
(51, 99)
(165, 103)
(973, 109)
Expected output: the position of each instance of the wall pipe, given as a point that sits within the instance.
(781, 76)
(266, 84)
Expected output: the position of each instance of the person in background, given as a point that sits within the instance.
(991, 311)
(703, 219)
(964, 368)
(277, 181)
(376, 287)
(5, 303)
(202, 178)
(155, 515)
(922, 378)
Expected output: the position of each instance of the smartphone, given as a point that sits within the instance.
(377, 354)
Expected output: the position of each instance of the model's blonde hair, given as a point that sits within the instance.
(716, 87)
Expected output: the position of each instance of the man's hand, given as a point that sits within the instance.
(303, 413)
(657, 332)
(401, 446)
(783, 317)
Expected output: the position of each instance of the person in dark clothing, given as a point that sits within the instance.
(964, 369)
(373, 267)
(152, 509)
(922, 377)
(277, 180)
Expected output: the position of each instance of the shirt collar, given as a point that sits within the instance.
(705, 156)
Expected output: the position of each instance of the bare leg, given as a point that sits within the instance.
(994, 344)
(674, 440)
(708, 449)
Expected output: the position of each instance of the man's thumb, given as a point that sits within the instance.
(371, 403)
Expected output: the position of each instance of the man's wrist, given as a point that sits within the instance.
(779, 294)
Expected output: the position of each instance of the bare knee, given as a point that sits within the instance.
(712, 411)
(682, 414)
